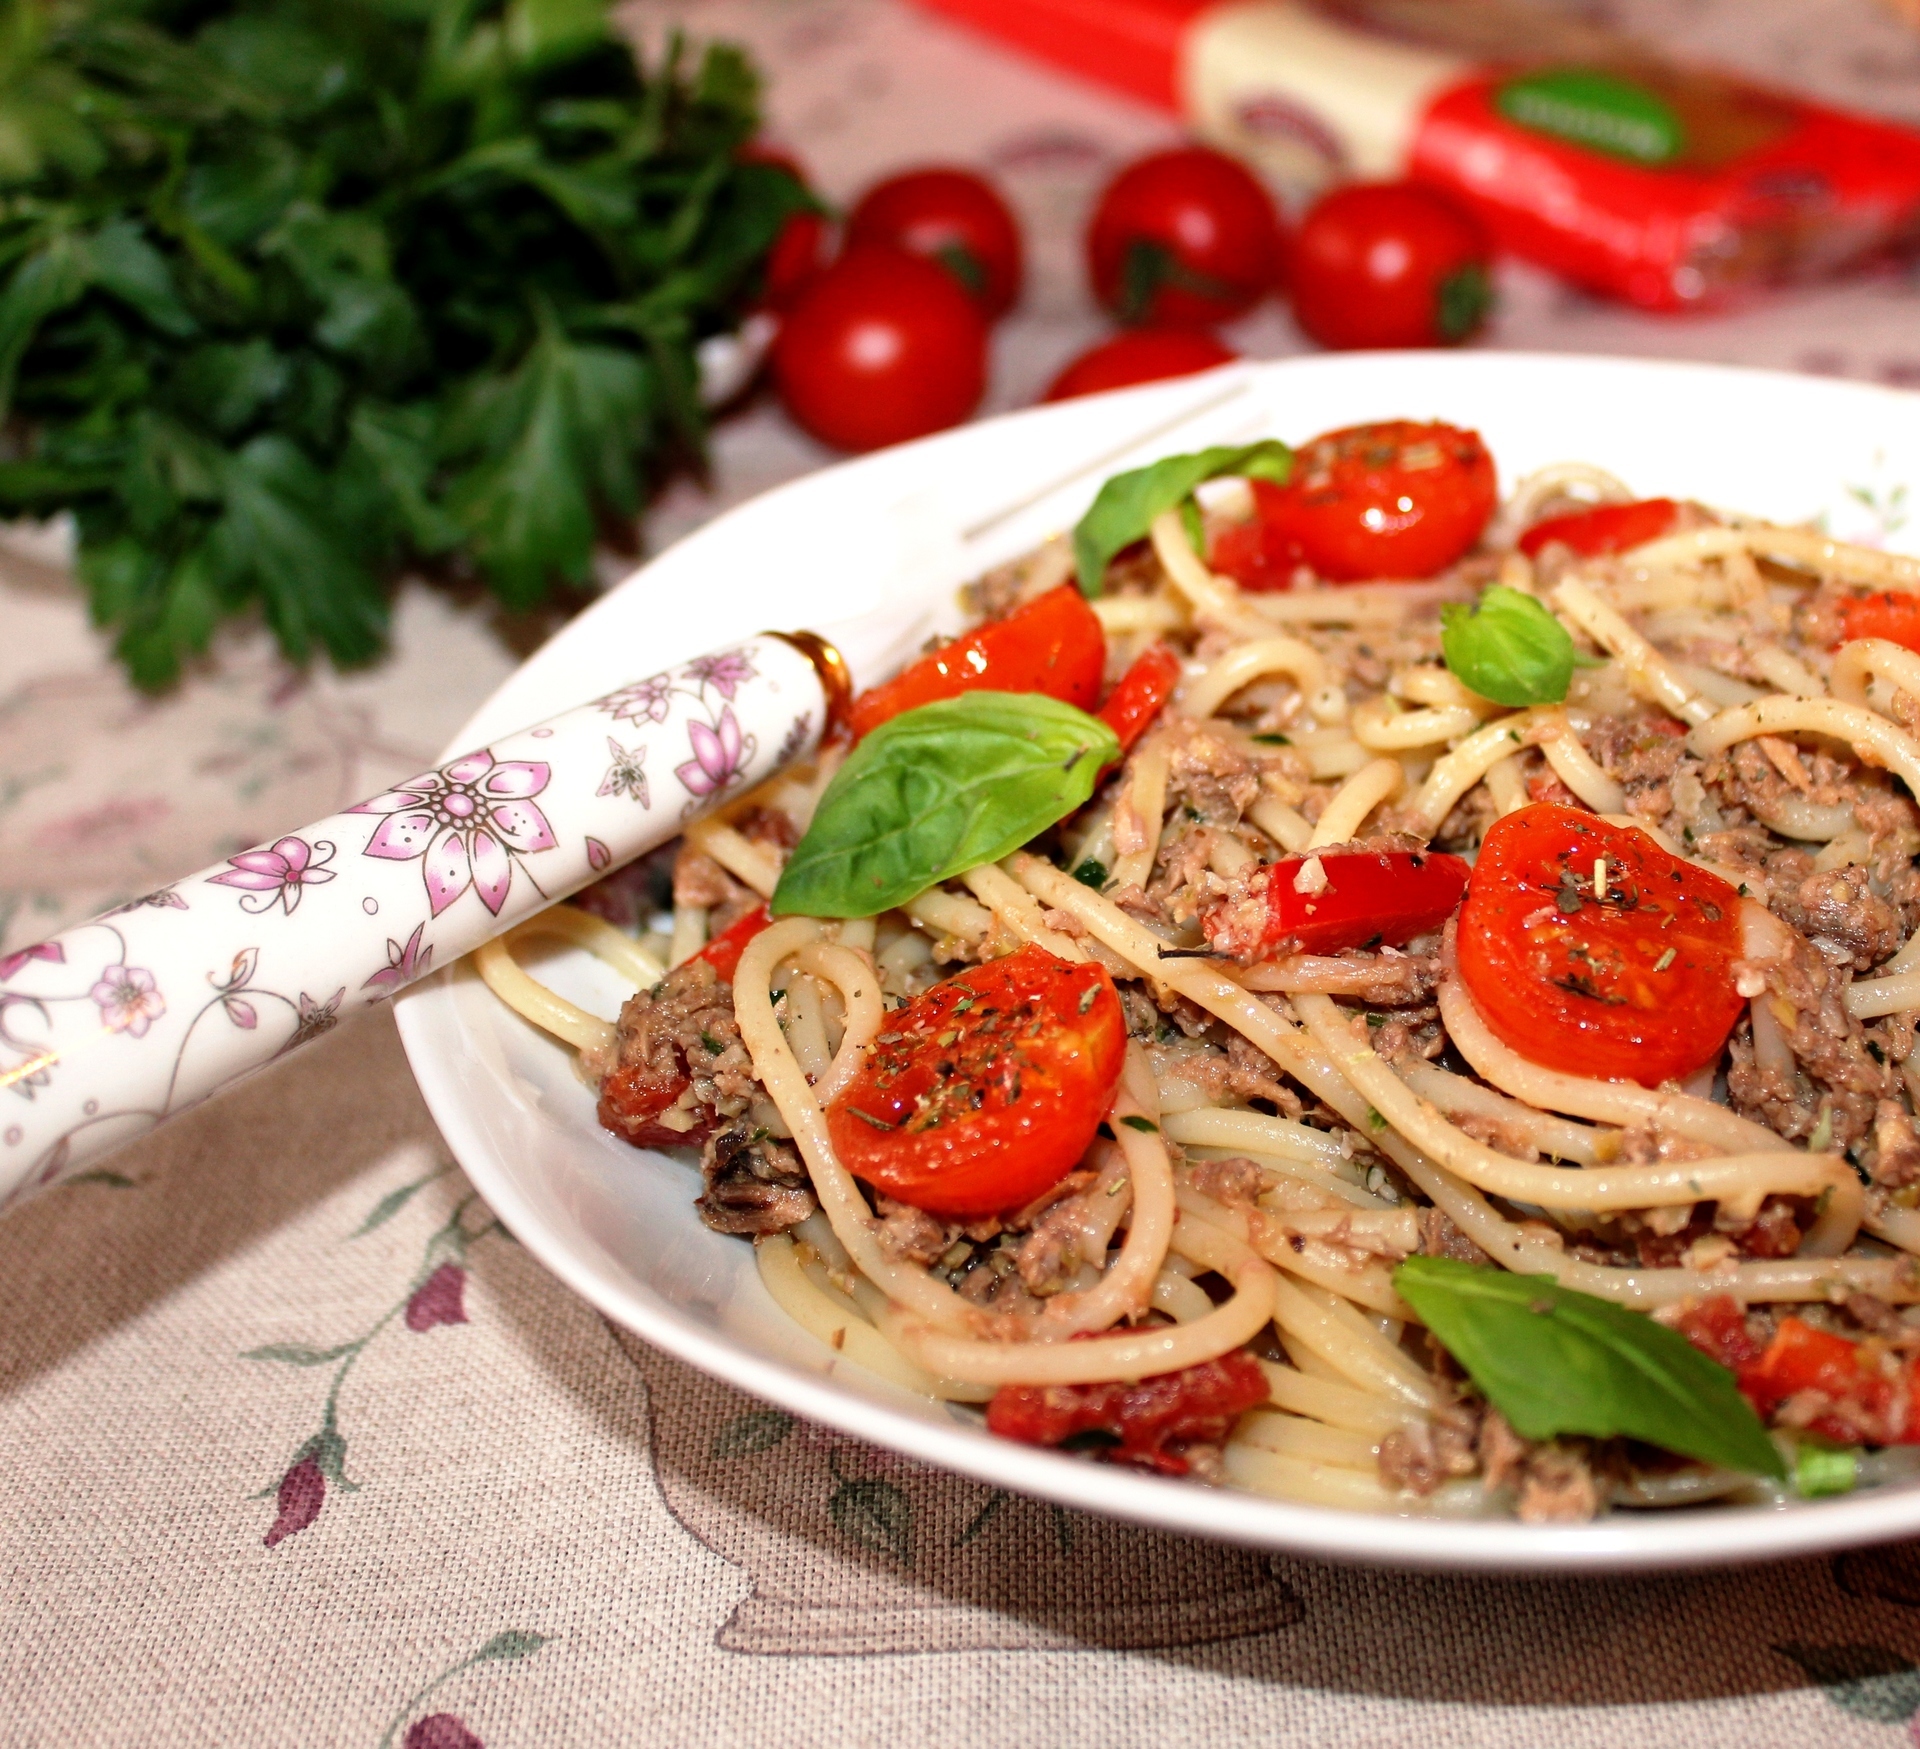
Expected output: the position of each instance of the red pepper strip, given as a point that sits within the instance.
(724, 950)
(1134, 1423)
(1869, 1392)
(1141, 694)
(1609, 528)
(1053, 644)
(1893, 617)
(1384, 897)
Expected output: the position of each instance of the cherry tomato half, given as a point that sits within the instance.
(1389, 264)
(982, 1093)
(1137, 1422)
(1393, 500)
(950, 216)
(1361, 897)
(1606, 528)
(1261, 552)
(1885, 615)
(1630, 982)
(882, 347)
(1141, 694)
(1052, 644)
(1184, 239)
(1141, 355)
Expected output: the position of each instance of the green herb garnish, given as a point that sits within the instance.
(1508, 648)
(939, 790)
(1554, 1361)
(295, 294)
(1127, 504)
(1820, 1469)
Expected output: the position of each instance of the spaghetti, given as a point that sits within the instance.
(1291, 1123)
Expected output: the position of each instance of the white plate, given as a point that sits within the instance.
(619, 1226)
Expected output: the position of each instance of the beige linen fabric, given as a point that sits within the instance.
(302, 1449)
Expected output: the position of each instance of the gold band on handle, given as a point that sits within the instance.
(836, 679)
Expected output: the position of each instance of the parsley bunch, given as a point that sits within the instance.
(293, 292)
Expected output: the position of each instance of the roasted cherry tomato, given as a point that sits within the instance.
(1607, 528)
(1870, 1390)
(982, 1093)
(1141, 693)
(1135, 1423)
(1631, 980)
(632, 1099)
(1260, 552)
(1142, 355)
(950, 216)
(800, 251)
(1184, 239)
(724, 950)
(1394, 500)
(1389, 264)
(881, 347)
(1885, 615)
(1052, 644)
(1355, 898)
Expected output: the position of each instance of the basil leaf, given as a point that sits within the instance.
(1127, 504)
(1508, 648)
(1555, 1361)
(939, 790)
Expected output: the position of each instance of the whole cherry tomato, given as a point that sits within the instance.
(982, 1093)
(1141, 355)
(882, 347)
(1629, 980)
(800, 251)
(950, 216)
(1389, 264)
(1051, 644)
(1606, 528)
(1184, 239)
(1392, 500)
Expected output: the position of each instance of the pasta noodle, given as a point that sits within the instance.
(1291, 1122)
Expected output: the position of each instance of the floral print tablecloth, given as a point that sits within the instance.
(302, 1448)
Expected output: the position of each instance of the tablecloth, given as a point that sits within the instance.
(298, 1446)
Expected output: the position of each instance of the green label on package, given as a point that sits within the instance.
(1598, 110)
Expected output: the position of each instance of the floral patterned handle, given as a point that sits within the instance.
(119, 1023)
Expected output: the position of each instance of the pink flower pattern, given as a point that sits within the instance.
(11, 965)
(278, 875)
(645, 701)
(627, 775)
(466, 823)
(720, 754)
(404, 964)
(127, 1000)
(725, 673)
(440, 1299)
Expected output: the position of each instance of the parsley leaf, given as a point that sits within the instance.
(294, 295)
(1126, 505)
(1508, 648)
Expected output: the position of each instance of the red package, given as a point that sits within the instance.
(1582, 151)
